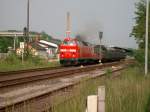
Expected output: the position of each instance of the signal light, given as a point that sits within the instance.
(73, 55)
(61, 55)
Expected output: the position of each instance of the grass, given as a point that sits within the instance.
(128, 93)
(13, 63)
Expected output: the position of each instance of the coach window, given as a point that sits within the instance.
(79, 43)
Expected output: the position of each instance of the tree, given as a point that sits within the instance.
(5, 42)
(138, 30)
(45, 36)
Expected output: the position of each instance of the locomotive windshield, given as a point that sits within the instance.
(71, 42)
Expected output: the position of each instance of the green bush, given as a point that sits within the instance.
(140, 57)
(36, 60)
(109, 72)
(12, 59)
(14, 62)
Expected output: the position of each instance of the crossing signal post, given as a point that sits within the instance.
(100, 37)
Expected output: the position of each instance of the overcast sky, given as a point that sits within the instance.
(114, 17)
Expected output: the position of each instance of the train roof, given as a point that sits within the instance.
(125, 49)
(77, 39)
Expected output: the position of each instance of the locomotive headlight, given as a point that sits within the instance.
(62, 55)
(74, 55)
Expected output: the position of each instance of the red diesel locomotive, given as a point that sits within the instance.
(73, 52)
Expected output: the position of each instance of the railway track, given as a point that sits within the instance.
(40, 91)
(29, 70)
(25, 76)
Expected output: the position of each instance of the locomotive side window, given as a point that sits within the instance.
(78, 43)
(72, 42)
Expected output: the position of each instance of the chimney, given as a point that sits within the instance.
(68, 25)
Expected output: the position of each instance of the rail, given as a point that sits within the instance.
(25, 76)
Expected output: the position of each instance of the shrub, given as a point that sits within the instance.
(12, 59)
(36, 60)
(109, 72)
(140, 57)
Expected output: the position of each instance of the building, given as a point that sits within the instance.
(45, 49)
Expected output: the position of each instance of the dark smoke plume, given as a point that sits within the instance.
(80, 37)
(90, 32)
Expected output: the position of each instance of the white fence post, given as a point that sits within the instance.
(101, 99)
(96, 103)
(92, 103)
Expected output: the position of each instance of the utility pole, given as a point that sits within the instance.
(28, 14)
(146, 38)
(26, 29)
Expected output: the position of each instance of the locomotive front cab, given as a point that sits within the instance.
(69, 51)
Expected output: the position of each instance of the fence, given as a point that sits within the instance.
(96, 103)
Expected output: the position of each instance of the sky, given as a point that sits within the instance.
(115, 18)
